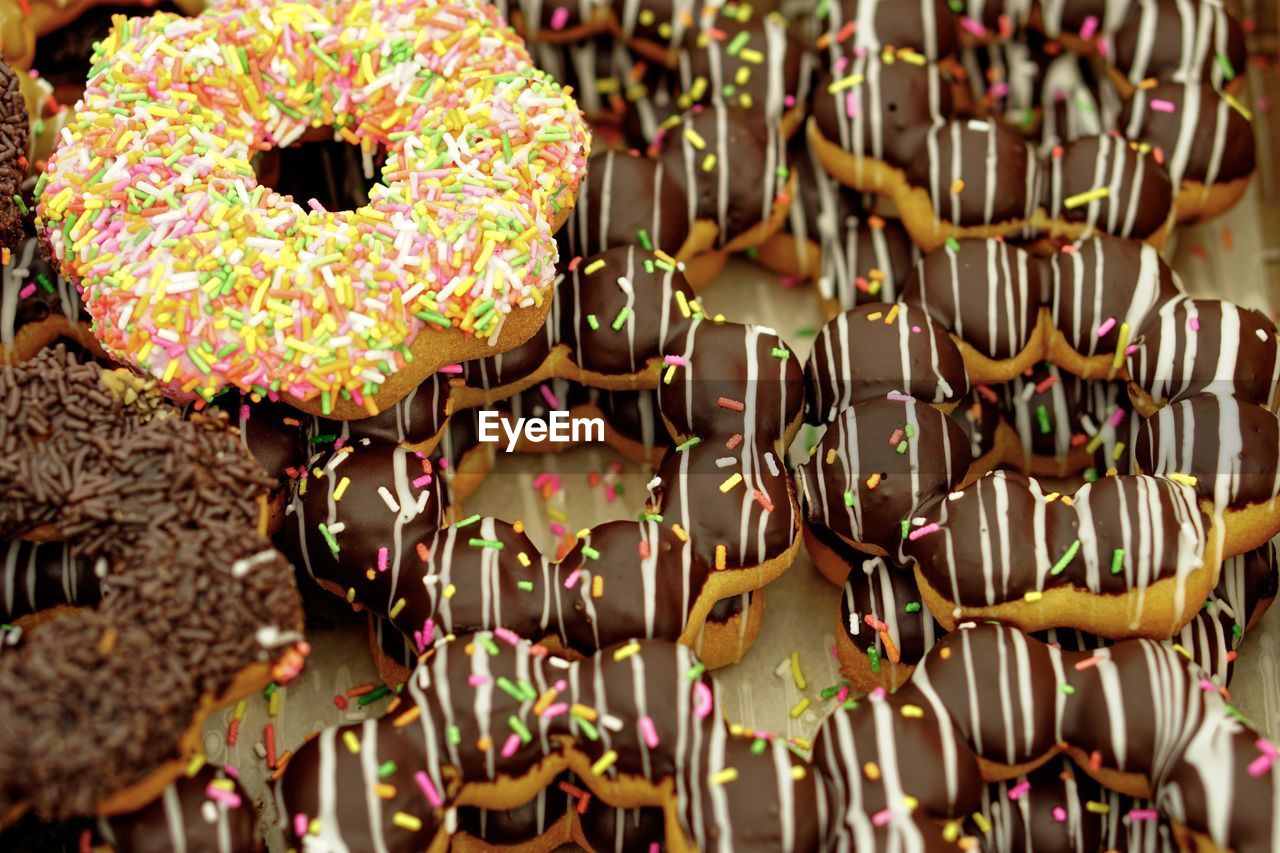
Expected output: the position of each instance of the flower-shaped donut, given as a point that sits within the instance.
(201, 277)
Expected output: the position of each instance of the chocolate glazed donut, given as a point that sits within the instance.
(987, 703)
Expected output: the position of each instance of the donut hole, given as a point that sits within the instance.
(65, 55)
(335, 173)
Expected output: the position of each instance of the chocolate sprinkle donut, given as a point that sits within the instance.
(194, 598)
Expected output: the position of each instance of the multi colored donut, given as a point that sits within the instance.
(339, 312)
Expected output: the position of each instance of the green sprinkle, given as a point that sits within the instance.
(643, 236)
(780, 352)
(695, 672)
(386, 768)
(912, 607)
(830, 692)
(1068, 689)
(621, 318)
(1066, 558)
(486, 543)
(1042, 417)
(373, 695)
(453, 735)
(848, 498)
(489, 645)
(906, 527)
(519, 728)
(758, 746)
(590, 553)
(593, 322)
(1090, 474)
(902, 447)
(1117, 561)
(687, 443)
(471, 519)
(329, 539)
(953, 245)
(874, 658)
(1228, 73)
(587, 728)
(509, 687)
(525, 586)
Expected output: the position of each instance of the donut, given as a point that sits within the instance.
(205, 809)
(13, 159)
(1166, 739)
(150, 524)
(38, 307)
(884, 629)
(23, 23)
(351, 350)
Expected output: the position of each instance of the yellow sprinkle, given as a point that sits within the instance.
(385, 791)
(845, 83)
(799, 708)
(450, 591)
(1121, 345)
(1097, 808)
(352, 742)
(871, 770)
(1033, 596)
(709, 163)
(523, 558)
(695, 138)
(626, 651)
(798, 772)
(913, 712)
(604, 762)
(1184, 479)
(679, 532)
(796, 675)
(728, 484)
(1081, 199)
(583, 712)
(980, 819)
(593, 267)
(721, 557)
(892, 315)
(194, 765)
(683, 304)
(874, 315)
(724, 777)
(1182, 650)
(400, 819)
(341, 489)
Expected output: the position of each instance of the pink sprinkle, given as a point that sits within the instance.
(1194, 323)
(1160, 105)
(649, 732)
(422, 482)
(915, 330)
(316, 206)
(572, 579)
(882, 817)
(1116, 417)
(610, 494)
(704, 702)
(1106, 326)
(1143, 814)
(677, 360)
(231, 770)
(973, 26)
(919, 532)
(851, 104)
(1264, 746)
(1090, 27)
(842, 695)
(789, 101)
(1260, 765)
(1059, 814)
(1018, 790)
(382, 559)
(451, 368)
(540, 479)
(654, 847)
(27, 290)
(475, 679)
(426, 635)
(878, 693)
(443, 463)
(300, 824)
(558, 529)
(513, 743)
(230, 799)
(899, 397)
(999, 90)
(559, 18)
(547, 395)
(1208, 686)
(555, 710)
(428, 789)
(507, 635)
(1130, 349)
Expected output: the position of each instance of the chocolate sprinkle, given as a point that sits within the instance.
(13, 151)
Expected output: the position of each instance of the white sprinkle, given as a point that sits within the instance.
(388, 499)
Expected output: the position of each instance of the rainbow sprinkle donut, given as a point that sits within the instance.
(196, 274)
